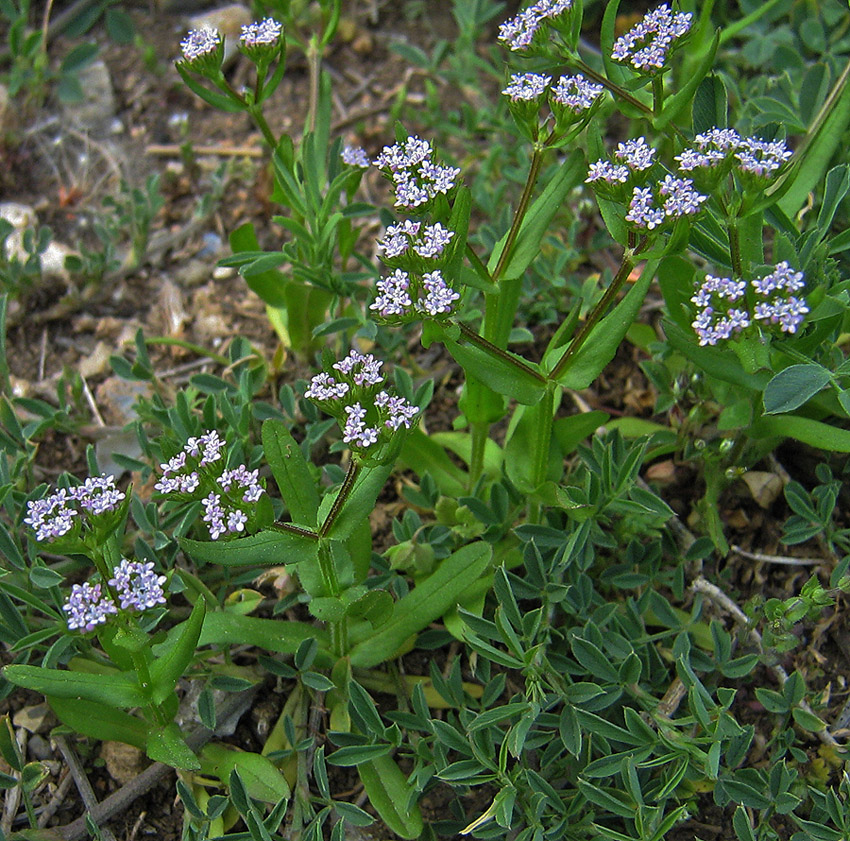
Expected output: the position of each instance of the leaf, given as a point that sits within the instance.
(291, 472)
(347, 757)
(811, 432)
(539, 216)
(270, 284)
(677, 103)
(421, 454)
(793, 386)
(710, 106)
(360, 502)
(166, 744)
(113, 690)
(260, 777)
(99, 721)
(516, 379)
(390, 793)
(262, 549)
(592, 658)
(427, 602)
(601, 345)
(168, 669)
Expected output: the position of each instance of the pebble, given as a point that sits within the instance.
(96, 113)
(21, 217)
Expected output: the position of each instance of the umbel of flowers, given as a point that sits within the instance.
(415, 175)
(354, 392)
(651, 202)
(229, 496)
(723, 310)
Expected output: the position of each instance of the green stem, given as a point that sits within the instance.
(480, 435)
(197, 349)
(344, 491)
(521, 210)
(657, 95)
(314, 58)
(255, 112)
(599, 310)
(291, 529)
(735, 249)
(477, 264)
(494, 350)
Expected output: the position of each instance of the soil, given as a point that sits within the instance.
(65, 173)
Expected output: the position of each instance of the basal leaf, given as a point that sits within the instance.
(291, 472)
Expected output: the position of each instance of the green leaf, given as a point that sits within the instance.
(270, 634)
(375, 607)
(427, 602)
(710, 107)
(214, 98)
(390, 793)
(347, 757)
(260, 777)
(811, 432)
(360, 502)
(268, 284)
(167, 670)
(807, 720)
(538, 218)
(820, 144)
(98, 721)
(592, 658)
(9, 745)
(677, 103)
(262, 549)
(291, 472)
(601, 345)
(113, 690)
(503, 372)
(166, 744)
(793, 386)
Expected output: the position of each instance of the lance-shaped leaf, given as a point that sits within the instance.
(269, 284)
(168, 669)
(218, 100)
(427, 602)
(291, 472)
(265, 548)
(602, 343)
(389, 793)
(100, 721)
(538, 218)
(793, 386)
(262, 780)
(680, 100)
(815, 433)
(113, 690)
(167, 745)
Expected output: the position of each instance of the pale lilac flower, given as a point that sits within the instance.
(439, 298)
(364, 369)
(200, 42)
(236, 521)
(646, 45)
(88, 606)
(681, 197)
(393, 297)
(720, 139)
(416, 178)
(691, 159)
(214, 515)
(576, 93)
(433, 241)
(137, 585)
(400, 412)
(525, 87)
(397, 238)
(761, 157)
(355, 430)
(642, 211)
(97, 494)
(51, 517)
(603, 170)
(635, 154)
(263, 33)
(355, 156)
(518, 32)
(413, 151)
(247, 480)
(324, 387)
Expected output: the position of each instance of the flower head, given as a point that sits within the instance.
(88, 606)
(415, 176)
(645, 46)
(355, 156)
(439, 297)
(137, 585)
(518, 32)
(266, 33)
(52, 516)
(636, 154)
(362, 368)
(526, 87)
(199, 43)
(576, 93)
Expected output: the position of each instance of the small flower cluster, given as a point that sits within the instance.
(518, 32)
(264, 33)
(650, 204)
(228, 492)
(136, 584)
(365, 413)
(645, 46)
(573, 92)
(355, 156)
(200, 43)
(428, 241)
(718, 320)
(720, 150)
(677, 198)
(55, 515)
(416, 177)
(404, 295)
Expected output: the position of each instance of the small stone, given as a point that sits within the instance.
(96, 113)
(123, 762)
(39, 748)
(223, 273)
(764, 487)
(37, 718)
(116, 398)
(192, 273)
